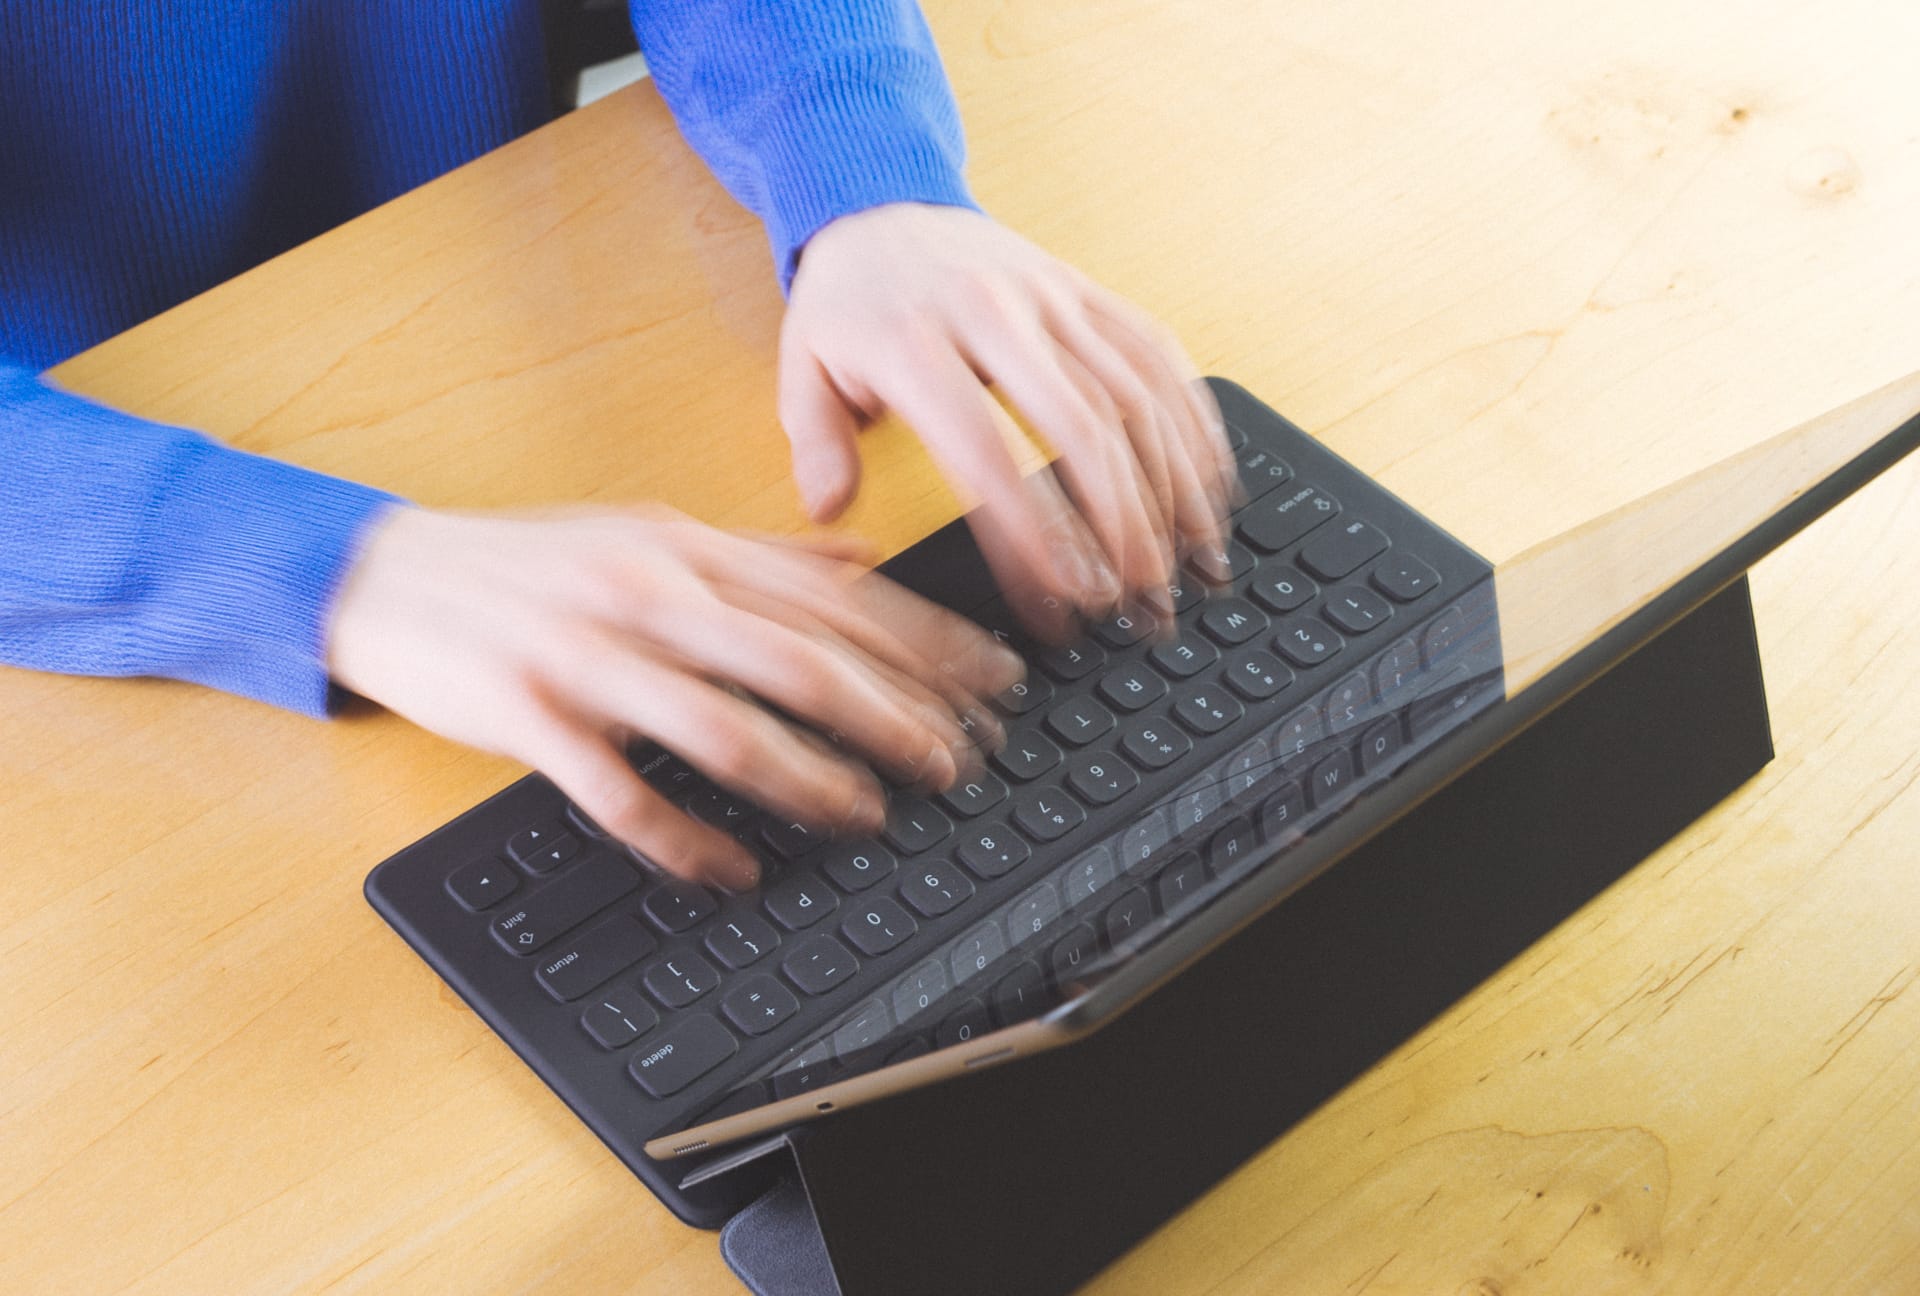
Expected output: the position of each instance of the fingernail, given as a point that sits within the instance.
(869, 812)
(737, 874)
(939, 766)
(1007, 668)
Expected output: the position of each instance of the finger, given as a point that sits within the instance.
(1075, 414)
(1047, 615)
(596, 777)
(738, 745)
(823, 430)
(1145, 408)
(915, 739)
(979, 730)
(1034, 547)
(1153, 349)
(939, 648)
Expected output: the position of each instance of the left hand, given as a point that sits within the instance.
(917, 309)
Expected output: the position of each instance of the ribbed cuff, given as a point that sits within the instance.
(856, 131)
(244, 559)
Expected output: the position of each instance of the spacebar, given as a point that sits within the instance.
(565, 902)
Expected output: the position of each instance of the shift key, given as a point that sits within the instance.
(565, 903)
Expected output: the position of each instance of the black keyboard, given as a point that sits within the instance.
(1144, 772)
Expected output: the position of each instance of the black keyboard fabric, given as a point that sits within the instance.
(1143, 772)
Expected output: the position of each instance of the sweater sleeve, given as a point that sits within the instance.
(132, 548)
(808, 112)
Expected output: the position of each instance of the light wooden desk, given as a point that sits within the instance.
(1581, 247)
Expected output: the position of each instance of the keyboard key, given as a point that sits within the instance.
(1031, 692)
(811, 1068)
(1252, 765)
(1356, 609)
(594, 956)
(1331, 778)
(678, 981)
(685, 1053)
(790, 840)
(978, 796)
(967, 1022)
(1020, 994)
(1046, 813)
(722, 810)
(1124, 629)
(1230, 622)
(1154, 744)
(1233, 849)
(1273, 523)
(1236, 437)
(1185, 591)
(758, 1004)
(1133, 686)
(855, 867)
(1347, 702)
(934, 887)
(1100, 777)
(920, 990)
(1282, 589)
(1445, 634)
(877, 925)
(743, 940)
(913, 825)
(1296, 738)
(1197, 803)
(526, 847)
(1305, 642)
(1240, 561)
(992, 850)
(679, 906)
(867, 1027)
(1074, 661)
(1282, 812)
(1079, 721)
(1445, 702)
(1257, 676)
(1339, 550)
(1180, 883)
(1379, 744)
(619, 1017)
(566, 902)
(1206, 708)
(1088, 875)
(1261, 471)
(1144, 844)
(799, 901)
(1404, 578)
(1026, 757)
(1072, 952)
(559, 848)
(1033, 913)
(818, 964)
(1184, 658)
(977, 951)
(1130, 913)
(1396, 670)
(482, 884)
(584, 824)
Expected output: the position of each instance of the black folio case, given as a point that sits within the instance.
(1030, 1177)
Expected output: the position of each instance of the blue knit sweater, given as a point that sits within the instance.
(149, 151)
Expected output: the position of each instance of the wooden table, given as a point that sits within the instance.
(1523, 262)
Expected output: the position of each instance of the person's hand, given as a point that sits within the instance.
(556, 639)
(917, 309)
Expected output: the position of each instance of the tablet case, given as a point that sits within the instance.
(1032, 1176)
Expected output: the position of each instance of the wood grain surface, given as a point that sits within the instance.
(1526, 263)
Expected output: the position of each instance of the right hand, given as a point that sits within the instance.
(555, 639)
